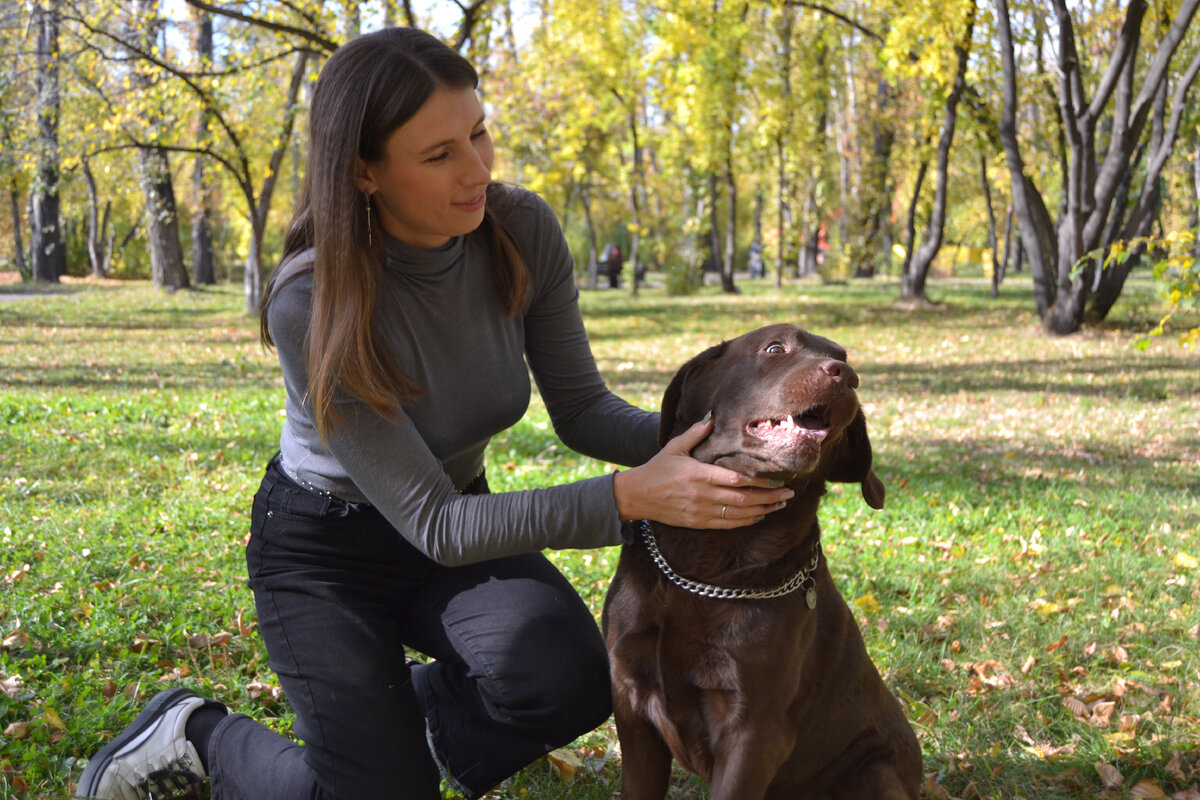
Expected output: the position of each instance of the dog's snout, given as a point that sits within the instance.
(840, 371)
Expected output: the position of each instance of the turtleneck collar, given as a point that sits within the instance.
(414, 261)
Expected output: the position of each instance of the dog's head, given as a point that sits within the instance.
(784, 406)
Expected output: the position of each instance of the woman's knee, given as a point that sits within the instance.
(562, 679)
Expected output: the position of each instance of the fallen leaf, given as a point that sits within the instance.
(988, 675)
(269, 693)
(15, 639)
(1109, 775)
(564, 763)
(53, 719)
(1057, 644)
(202, 641)
(1146, 788)
(868, 604)
(936, 790)
(1077, 707)
(1102, 713)
(17, 730)
(1185, 561)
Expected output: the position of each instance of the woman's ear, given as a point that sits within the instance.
(364, 177)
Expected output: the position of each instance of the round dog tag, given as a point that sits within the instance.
(810, 597)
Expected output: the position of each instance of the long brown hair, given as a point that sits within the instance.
(369, 87)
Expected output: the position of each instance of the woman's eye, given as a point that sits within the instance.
(775, 349)
(438, 157)
(479, 134)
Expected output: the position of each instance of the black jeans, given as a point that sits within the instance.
(520, 667)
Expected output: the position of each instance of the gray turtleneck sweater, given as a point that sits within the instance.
(449, 334)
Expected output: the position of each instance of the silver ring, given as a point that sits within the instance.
(723, 511)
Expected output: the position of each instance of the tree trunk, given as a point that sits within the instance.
(1002, 266)
(993, 240)
(203, 267)
(1032, 216)
(162, 215)
(1149, 203)
(914, 287)
(635, 193)
(14, 197)
(48, 253)
(810, 253)
(162, 220)
(910, 226)
(730, 258)
(875, 196)
(1196, 192)
(783, 212)
(754, 262)
(252, 275)
(593, 242)
(1092, 185)
(97, 225)
(714, 229)
(787, 22)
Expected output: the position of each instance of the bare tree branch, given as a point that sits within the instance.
(323, 43)
(183, 77)
(829, 12)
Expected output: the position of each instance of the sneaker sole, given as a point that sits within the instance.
(89, 781)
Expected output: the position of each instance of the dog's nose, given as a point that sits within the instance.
(840, 371)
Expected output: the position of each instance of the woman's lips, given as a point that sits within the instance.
(472, 205)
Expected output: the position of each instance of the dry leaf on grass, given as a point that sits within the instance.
(1109, 775)
(1147, 788)
(564, 763)
(11, 686)
(17, 730)
(202, 641)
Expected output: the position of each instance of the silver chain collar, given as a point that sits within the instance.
(801, 580)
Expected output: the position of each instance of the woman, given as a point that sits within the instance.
(411, 296)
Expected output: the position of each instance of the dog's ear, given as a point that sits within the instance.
(674, 420)
(853, 463)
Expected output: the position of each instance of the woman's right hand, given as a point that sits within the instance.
(676, 489)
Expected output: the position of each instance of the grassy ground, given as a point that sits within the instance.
(1031, 591)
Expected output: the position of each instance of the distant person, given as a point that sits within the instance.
(413, 299)
(613, 261)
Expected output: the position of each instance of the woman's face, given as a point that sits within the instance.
(431, 184)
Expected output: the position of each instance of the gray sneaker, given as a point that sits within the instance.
(151, 758)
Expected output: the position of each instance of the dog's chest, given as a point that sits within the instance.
(710, 645)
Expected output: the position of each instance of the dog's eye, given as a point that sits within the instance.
(775, 348)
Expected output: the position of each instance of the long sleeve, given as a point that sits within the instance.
(448, 333)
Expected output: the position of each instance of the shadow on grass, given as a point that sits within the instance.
(984, 466)
(1154, 377)
(136, 378)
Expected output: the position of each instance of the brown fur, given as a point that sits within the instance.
(762, 698)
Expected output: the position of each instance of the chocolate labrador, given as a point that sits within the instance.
(733, 651)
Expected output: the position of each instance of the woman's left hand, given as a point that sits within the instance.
(676, 489)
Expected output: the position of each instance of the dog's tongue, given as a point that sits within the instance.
(786, 431)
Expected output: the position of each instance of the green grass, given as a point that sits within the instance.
(1030, 591)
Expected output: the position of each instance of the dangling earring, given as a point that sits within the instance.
(370, 238)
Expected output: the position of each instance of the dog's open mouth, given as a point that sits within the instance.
(813, 423)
